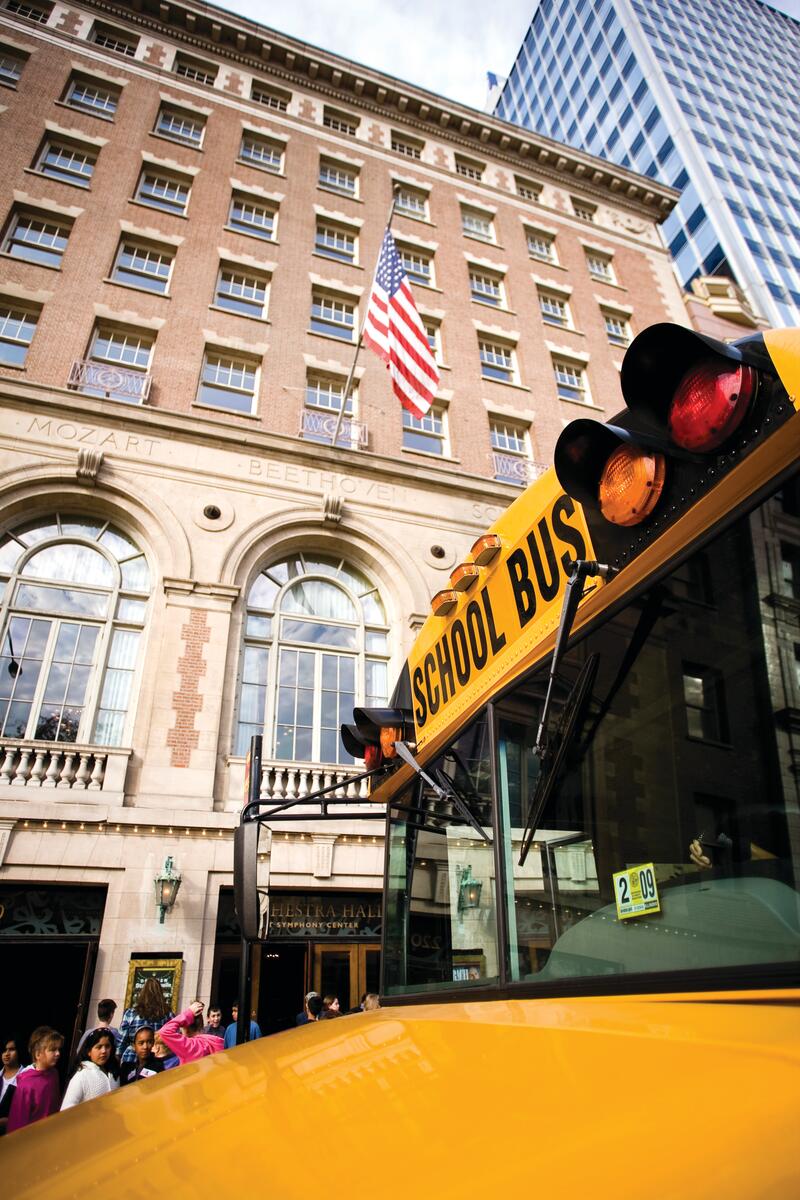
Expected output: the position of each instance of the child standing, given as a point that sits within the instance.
(97, 1072)
(146, 1062)
(38, 1091)
(178, 1034)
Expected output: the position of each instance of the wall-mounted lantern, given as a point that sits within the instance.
(469, 889)
(167, 885)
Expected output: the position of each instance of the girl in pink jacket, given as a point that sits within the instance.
(183, 1042)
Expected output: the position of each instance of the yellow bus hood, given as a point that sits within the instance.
(679, 1096)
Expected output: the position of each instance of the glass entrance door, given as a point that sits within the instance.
(346, 970)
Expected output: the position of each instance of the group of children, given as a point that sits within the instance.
(33, 1092)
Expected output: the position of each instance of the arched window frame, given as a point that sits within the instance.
(262, 631)
(126, 614)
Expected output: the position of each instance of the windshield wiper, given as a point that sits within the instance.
(444, 791)
(556, 750)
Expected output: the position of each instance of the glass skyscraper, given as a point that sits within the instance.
(702, 95)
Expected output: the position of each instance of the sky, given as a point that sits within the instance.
(446, 46)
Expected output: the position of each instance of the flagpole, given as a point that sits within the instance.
(349, 384)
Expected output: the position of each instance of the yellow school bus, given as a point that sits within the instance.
(590, 772)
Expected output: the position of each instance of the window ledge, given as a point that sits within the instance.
(581, 403)
(331, 337)
(87, 112)
(6, 83)
(428, 287)
(155, 208)
(506, 383)
(494, 307)
(330, 191)
(430, 454)
(244, 162)
(547, 262)
(12, 366)
(82, 187)
(225, 412)
(472, 237)
(245, 316)
(398, 212)
(564, 329)
(132, 287)
(256, 236)
(16, 258)
(608, 283)
(339, 262)
(701, 741)
(173, 141)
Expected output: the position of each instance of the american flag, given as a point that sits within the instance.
(393, 329)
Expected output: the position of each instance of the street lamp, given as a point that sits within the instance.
(469, 889)
(167, 885)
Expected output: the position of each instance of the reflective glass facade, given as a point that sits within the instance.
(700, 96)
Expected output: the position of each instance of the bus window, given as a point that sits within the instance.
(441, 928)
(674, 758)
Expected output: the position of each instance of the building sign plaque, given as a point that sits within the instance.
(325, 915)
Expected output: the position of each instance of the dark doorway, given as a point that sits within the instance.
(282, 985)
(46, 983)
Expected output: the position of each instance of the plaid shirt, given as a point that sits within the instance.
(129, 1025)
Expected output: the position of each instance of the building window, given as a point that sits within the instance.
(117, 364)
(486, 287)
(37, 238)
(69, 162)
(180, 126)
(411, 202)
(338, 177)
(11, 64)
(252, 216)
(17, 327)
(76, 598)
(428, 433)
(599, 266)
(242, 291)
(335, 241)
(554, 310)
(433, 332)
(410, 147)
(270, 97)
(541, 246)
(194, 69)
(497, 361)
(417, 264)
(618, 330)
(527, 189)
(570, 382)
(33, 12)
(144, 265)
(477, 224)
(99, 99)
(118, 40)
(157, 189)
(469, 168)
(316, 644)
(790, 571)
(262, 152)
(334, 316)
(229, 382)
(323, 403)
(584, 211)
(511, 453)
(340, 121)
(704, 701)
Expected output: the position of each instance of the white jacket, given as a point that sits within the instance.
(88, 1083)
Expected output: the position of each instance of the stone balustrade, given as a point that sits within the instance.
(63, 767)
(293, 781)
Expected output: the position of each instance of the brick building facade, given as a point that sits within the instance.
(191, 210)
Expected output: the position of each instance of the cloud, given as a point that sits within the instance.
(444, 47)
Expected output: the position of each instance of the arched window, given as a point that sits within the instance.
(74, 598)
(316, 643)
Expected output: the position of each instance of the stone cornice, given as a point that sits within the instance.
(256, 48)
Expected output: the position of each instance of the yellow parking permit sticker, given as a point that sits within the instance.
(636, 891)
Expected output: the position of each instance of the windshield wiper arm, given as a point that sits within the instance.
(557, 749)
(446, 793)
(582, 569)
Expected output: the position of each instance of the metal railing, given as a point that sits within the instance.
(509, 468)
(322, 426)
(115, 383)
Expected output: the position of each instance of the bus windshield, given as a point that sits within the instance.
(669, 840)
